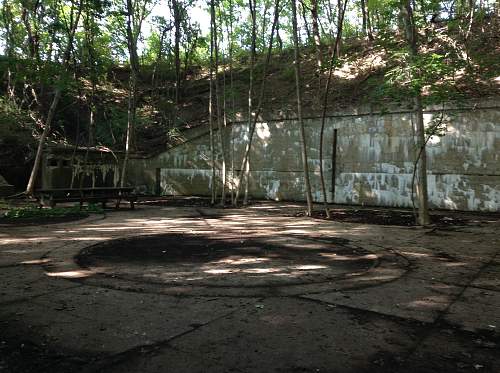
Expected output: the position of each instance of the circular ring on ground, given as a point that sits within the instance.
(228, 265)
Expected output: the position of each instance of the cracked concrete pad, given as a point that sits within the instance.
(226, 265)
(70, 319)
(489, 278)
(440, 265)
(14, 254)
(407, 298)
(476, 310)
(28, 281)
(281, 335)
(96, 320)
(450, 350)
(64, 330)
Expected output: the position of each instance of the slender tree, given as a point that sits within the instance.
(178, 13)
(333, 58)
(410, 28)
(136, 13)
(244, 174)
(298, 85)
(8, 25)
(253, 15)
(220, 129)
(317, 39)
(210, 103)
(74, 18)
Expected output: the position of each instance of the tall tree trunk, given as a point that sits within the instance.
(364, 16)
(218, 106)
(278, 37)
(253, 124)
(192, 43)
(38, 158)
(131, 113)
(368, 22)
(333, 58)
(158, 59)
(317, 39)
(339, 20)
(264, 25)
(88, 24)
(177, 41)
(303, 12)
(246, 165)
(9, 47)
(299, 110)
(30, 188)
(231, 87)
(133, 30)
(92, 124)
(411, 39)
(210, 103)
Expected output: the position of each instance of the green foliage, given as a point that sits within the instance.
(31, 212)
(114, 126)
(288, 73)
(16, 126)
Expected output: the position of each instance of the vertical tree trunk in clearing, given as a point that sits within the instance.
(367, 29)
(224, 112)
(231, 86)
(217, 103)
(30, 188)
(38, 158)
(210, 103)
(9, 46)
(177, 40)
(317, 38)
(334, 56)
(363, 12)
(252, 4)
(411, 38)
(88, 23)
(339, 20)
(260, 100)
(303, 12)
(299, 110)
(133, 30)
(130, 125)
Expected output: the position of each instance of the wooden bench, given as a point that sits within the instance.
(50, 197)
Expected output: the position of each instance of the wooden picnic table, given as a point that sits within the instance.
(50, 197)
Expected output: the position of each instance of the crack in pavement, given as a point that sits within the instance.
(149, 348)
(25, 299)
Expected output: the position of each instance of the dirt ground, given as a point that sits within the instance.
(186, 288)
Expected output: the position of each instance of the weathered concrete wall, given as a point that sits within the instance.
(65, 167)
(375, 154)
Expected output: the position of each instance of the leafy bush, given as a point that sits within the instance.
(55, 212)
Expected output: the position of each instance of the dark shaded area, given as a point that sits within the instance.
(226, 261)
(20, 355)
(446, 349)
(402, 218)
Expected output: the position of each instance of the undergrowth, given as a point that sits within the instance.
(54, 212)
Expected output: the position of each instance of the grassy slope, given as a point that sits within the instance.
(357, 81)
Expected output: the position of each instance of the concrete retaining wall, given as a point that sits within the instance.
(375, 154)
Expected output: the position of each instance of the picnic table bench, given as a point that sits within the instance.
(50, 197)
